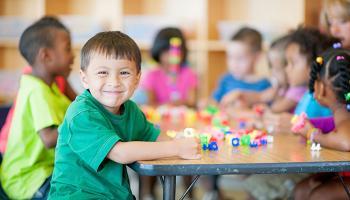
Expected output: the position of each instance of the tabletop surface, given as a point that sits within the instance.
(287, 154)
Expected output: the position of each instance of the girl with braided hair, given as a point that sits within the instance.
(330, 84)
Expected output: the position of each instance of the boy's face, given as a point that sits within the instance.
(61, 54)
(111, 81)
(297, 66)
(240, 59)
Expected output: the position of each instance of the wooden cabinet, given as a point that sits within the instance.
(199, 19)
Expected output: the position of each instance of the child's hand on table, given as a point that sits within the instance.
(188, 148)
(277, 123)
(304, 131)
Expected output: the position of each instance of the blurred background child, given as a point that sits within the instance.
(330, 76)
(336, 16)
(275, 94)
(61, 82)
(303, 47)
(172, 81)
(243, 53)
(40, 107)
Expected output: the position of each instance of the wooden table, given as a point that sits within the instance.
(287, 154)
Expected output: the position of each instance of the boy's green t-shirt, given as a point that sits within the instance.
(27, 163)
(89, 131)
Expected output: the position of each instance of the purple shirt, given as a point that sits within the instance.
(164, 86)
(295, 93)
(326, 124)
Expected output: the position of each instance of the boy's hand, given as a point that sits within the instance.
(230, 98)
(188, 148)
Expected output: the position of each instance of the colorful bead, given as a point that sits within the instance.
(213, 146)
(235, 142)
(319, 60)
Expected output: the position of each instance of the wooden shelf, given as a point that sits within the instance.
(198, 19)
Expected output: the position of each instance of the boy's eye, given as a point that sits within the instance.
(124, 73)
(102, 73)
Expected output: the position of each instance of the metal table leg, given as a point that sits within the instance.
(169, 187)
(344, 185)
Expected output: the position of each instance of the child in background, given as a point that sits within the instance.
(302, 48)
(169, 83)
(103, 130)
(330, 76)
(274, 95)
(62, 84)
(336, 15)
(243, 53)
(172, 81)
(28, 161)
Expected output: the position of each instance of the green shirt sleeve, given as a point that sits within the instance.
(91, 137)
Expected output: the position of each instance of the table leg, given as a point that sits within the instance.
(169, 187)
(344, 185)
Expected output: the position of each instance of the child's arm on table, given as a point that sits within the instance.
(249, 97)
(128, 152)
(338, 139)
(280, 123)
(48, 136)
(282, 105)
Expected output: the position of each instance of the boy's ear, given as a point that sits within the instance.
(138, 77)
(43, 55)
(83, 79)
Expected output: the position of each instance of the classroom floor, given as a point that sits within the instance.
(230, 185)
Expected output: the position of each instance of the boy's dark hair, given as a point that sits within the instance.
(333, 65)
(41, 34)
(111, 43)
(311, 42)
(161, 43)
(249, 36)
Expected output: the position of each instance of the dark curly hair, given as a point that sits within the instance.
(333, 65)
(162, 43)
(311, 42)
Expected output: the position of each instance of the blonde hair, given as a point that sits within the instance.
(338, 8)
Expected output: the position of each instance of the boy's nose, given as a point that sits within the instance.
(114, 81)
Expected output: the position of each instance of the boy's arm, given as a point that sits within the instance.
(128, 152)
(69, 92)
(49, 136)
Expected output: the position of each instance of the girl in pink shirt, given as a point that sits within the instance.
(172, 81)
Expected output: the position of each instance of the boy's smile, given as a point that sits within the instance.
(111, 81)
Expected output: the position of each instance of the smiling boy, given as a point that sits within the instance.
(103, 130)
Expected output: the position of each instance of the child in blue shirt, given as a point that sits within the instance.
(103, 130)
(242, 55)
